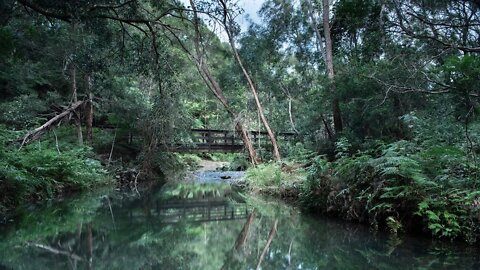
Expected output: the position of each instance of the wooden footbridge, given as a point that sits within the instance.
(216, 140)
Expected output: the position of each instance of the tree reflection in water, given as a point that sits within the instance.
(205, 226)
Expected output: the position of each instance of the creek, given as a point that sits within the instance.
(205, 224)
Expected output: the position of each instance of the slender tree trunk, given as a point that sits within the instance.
(247, 142)
(337, 114)
(271, 135)
(381, 23)
(89, 109)
(327, 128)
(226, 24)
(328, 39)
(290, 115)
(214, 86)
(314, 25)
(78, 122)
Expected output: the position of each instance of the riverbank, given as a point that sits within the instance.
(398, 203)
(283, 181)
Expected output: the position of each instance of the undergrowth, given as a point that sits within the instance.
(401, 186)
(40, 170)
(275, 179)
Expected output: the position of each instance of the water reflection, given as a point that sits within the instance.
(204, 226)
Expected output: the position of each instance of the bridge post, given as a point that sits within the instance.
(209, 139)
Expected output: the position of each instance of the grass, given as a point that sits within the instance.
(275, 179)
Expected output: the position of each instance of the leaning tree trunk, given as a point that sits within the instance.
(271, 135)
(214, 86)
(337, 114)
(227, 21)
(78, 122)
(89, 109)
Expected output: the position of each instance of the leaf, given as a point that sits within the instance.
(432, 216)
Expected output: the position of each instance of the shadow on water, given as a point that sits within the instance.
(204, 226)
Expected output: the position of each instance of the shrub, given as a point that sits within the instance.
(405, 185)
(265, 175)
(40, 171)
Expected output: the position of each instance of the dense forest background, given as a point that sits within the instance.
(382, 94)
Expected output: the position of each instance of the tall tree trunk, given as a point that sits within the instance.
(226, 24)
(78, 122)
(214, 86)
(381, 23)
(337, 114)
(314, 25)
(89, 109)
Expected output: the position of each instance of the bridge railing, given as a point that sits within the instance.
(226, 140)
(216, 140)
(208, 136)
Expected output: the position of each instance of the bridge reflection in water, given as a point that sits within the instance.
(196, 203)
(204, 210)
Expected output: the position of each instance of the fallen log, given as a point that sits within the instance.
(38, 132)
(56, 251)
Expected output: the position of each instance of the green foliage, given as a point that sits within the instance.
(22, 111)
(404, 182)
(462, 74)
(342, 147)
(318, 179)
(298, 152)
(266, 175)
(273, 179)
(38, 171)
(239, 163)
(189, 160)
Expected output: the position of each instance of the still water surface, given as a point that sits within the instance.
(205, 226)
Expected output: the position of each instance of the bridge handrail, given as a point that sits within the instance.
(221, 131)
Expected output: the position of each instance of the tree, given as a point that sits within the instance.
(229, 24)
(199, 58)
